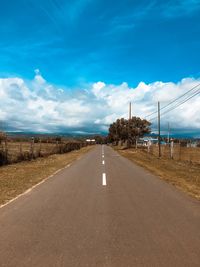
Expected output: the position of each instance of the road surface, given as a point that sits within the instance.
(101, 211)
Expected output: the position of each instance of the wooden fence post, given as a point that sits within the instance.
(179, 150)
(40, 147)
(20, 149)
(32, 148)
(172, 149)
(6, 149)
(148, 146)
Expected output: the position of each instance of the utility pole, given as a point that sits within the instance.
(130, 111)
(129, 121)
(159, 145)
(168, 132)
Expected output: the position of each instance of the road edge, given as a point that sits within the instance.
(29, 190)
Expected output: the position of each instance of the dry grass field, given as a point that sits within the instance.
(181, 153)
(17, 178)
(12, 152)
(185, 175)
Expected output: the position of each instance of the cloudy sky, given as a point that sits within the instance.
(74, 65)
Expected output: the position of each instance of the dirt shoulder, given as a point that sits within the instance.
(17, 178)
(183, 175)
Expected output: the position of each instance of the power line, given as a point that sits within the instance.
(175, 100)
(181, 103)
(178, 104)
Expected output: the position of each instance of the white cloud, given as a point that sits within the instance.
(97, 88)
(39, 106)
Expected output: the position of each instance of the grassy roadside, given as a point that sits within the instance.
(183, 175)
(17, 178)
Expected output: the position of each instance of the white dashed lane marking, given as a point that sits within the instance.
(104, 179)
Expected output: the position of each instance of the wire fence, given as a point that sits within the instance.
(13, 152)
(175, 152)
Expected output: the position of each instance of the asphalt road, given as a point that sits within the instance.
(101, 211)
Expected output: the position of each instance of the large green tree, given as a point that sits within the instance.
(131, 130)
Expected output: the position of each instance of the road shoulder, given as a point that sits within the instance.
(183, 175)
(17, 178)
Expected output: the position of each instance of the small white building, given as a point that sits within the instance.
(144, 141)
(192, 144)
(91, 141)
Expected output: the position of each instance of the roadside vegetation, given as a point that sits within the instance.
(128, 131)
(178, 162)
(17, 178)
(15, 149)
(184, 175)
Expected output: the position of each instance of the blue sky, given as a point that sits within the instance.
(74, 44)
